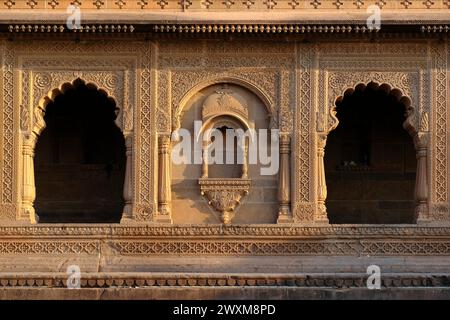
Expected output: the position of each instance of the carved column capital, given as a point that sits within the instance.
(164, 143)
(421, 140)
(285, 143)
(321, 143)
(28, 143)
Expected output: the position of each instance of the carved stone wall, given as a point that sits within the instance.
(326, 71)
(152, 82)
(34, 71)
(186, 68)
(440, 209)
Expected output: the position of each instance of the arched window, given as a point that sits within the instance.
(80, 159)
(370, 161)
(225, 141)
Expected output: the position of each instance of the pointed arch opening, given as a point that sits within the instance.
(370, 158)
(80, 157)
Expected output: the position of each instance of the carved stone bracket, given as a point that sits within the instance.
(224, 195)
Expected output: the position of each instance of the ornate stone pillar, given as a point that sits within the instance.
(28, 187)
(164, 189)
(321, 214)
(421, 189)
(128, 183)
(284, 180)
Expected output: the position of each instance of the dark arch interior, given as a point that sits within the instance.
(80, 159)
(370, 161)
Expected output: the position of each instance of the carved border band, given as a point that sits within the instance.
(9, 139)
(267, 247)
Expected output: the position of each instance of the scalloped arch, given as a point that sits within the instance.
(39, 111)
(410, 123)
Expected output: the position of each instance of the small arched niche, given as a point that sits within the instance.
(370, 159)
(220, 108)
(225, 133)
(79, 157)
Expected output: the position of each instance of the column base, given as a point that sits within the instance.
(29, 214)
(322, 222)
(422, 214)
(163, 219)
(128, 220)
(285, 218)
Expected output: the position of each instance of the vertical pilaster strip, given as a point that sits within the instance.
(303, 206)
(441, 208)
(144, 138)
(8, 207)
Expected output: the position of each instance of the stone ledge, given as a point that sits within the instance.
(138, 17)
(142, 280)
(291, 231)
(223, 293)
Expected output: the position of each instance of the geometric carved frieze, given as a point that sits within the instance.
(227, 240)
(201, 245)
(49, 247)
(255, 248)
(269, 231)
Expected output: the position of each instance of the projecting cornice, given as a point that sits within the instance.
(337, 16)
(227, 6)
